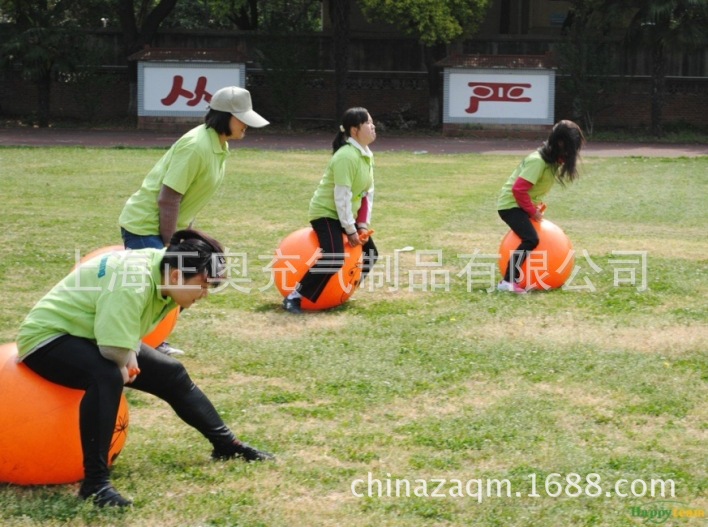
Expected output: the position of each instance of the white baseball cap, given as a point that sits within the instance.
(237, 102)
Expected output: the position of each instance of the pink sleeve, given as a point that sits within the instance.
(521, 194)
(362, 216)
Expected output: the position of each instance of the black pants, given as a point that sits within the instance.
(77, 363)
(519, 222)
(329, 233)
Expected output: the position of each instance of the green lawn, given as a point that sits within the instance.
(425, 381)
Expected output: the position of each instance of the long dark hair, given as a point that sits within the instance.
(194, 253)
(562, 148)
(352, 117)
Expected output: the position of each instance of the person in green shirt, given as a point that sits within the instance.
(187, 176)
(519, 200)
(342, 202)
(85, 334)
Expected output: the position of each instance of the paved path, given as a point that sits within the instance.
(433, 144)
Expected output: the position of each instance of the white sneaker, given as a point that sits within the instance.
(510, 287)
(169, 350)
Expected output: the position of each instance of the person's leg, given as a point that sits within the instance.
(520, 223)
(77, 363)
(331, 242)
(329, 236)
(167, 378)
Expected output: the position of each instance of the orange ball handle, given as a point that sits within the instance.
(365, 237)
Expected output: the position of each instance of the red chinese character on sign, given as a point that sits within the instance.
(496, 92)
(178, 91)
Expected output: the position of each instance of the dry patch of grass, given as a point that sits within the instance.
(669, 340)
(279, 325)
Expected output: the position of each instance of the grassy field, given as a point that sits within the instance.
(425, 378)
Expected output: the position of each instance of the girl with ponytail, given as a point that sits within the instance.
(341, 203)
(519, 200)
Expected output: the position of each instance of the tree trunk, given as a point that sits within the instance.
(44, 90)
(658, 89)
(505, 17)
(340, 27)
(433, 54)
(136, 38)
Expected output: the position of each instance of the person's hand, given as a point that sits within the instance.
(353, 239)
(539, 212)
(131, 368)
(363, 235)
(125, 374)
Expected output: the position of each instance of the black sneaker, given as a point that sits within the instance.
(292, 305)
(241, 450)
(105, 496)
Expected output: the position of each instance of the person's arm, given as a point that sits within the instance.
(343, 202)
(521, 190)
(126, 359)
(168, 202)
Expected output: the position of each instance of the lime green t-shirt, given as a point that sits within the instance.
(533, 169)
(348, 167)
(194, 166)
(113, 299)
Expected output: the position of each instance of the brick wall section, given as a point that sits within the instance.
(384, 94)
(390, 96)
(103, 97)
(686, 103)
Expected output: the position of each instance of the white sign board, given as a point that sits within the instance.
(493, 96)
(183, 89)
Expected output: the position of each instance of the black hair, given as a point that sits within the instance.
(194, 253)
(352, 117)
(562, 148)
(219, 121)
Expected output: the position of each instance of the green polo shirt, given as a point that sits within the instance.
(113, 299)
(534, 170)
(348, 167)
(194, 166)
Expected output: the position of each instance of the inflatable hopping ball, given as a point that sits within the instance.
(39, 427)
(298, 252)
(163, 329)
(549, 265)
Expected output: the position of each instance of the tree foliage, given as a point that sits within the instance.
(431, 21)
(246, 15)
(43, 41)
